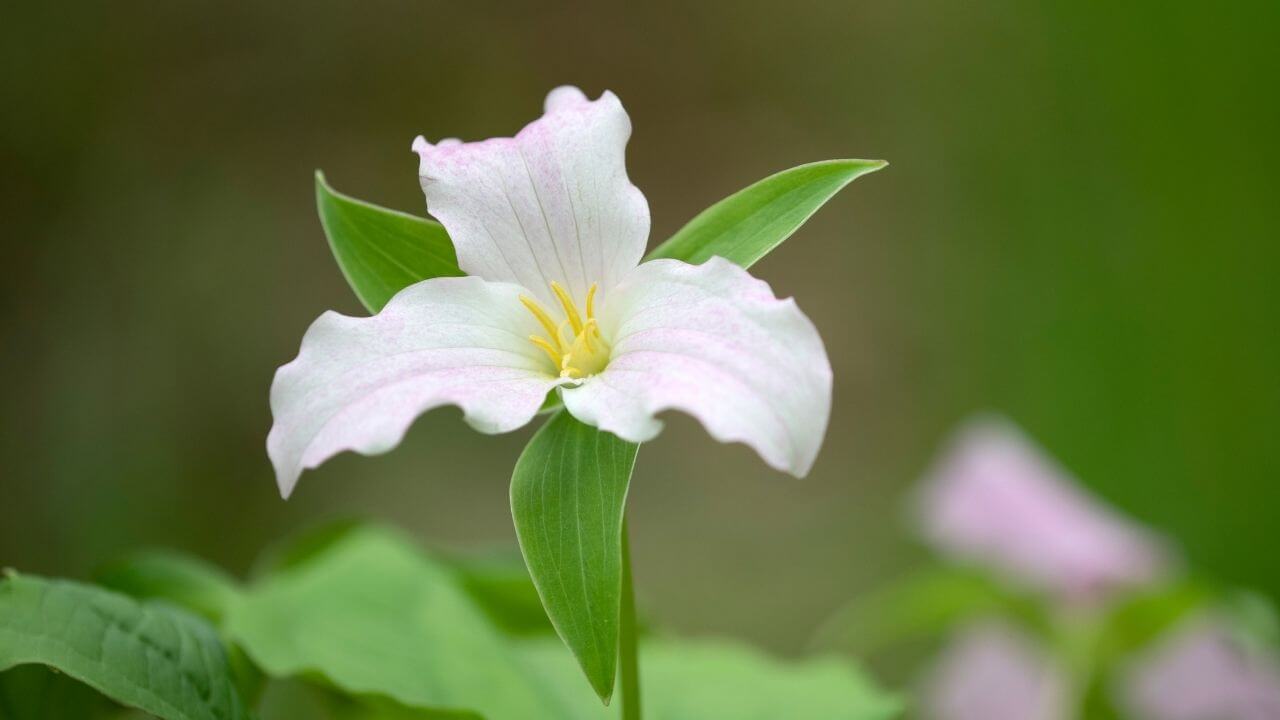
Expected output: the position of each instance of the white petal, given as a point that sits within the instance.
(358, 383)
(996, 500)
(552, 203)
(562, 97)
(714, 342)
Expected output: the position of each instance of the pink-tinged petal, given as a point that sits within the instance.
(993, 672)
(552, 203)
(359, 382)
(714, 342)
(995, 500)
(1201, 672)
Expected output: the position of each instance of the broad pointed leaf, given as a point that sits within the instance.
(144, 655)
(181, 579)
(568, 494)
(190, 583)
(36, 692)
(382, 251)
(499, 584)
(745, 226)
(697, 680)
(1137, 619)
(922, 606)
(374, 616)
(303, 700)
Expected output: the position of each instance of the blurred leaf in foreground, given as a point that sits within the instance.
(294, 699)
(144, 655)
(373, 615)
(35, 692)
(184, 580)
(709, 680)
(922, 606)
(500, 584)
(390, 628)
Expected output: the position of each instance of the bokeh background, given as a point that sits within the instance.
(1080, 228)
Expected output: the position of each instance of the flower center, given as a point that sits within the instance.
(574, 345)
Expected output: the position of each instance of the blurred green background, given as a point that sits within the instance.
(1080, 228)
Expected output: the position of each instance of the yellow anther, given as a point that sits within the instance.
(579, 353)
(545, 320)
(546, 347)
(570, 311)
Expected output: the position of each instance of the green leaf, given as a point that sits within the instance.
(745, 226)
(687, 680)
(568, 494)
(376, 707)
(922, 606)
(181, 579)
(500, 584)
(303, 547)
(190, 583)
(691, 681)
(294, 699)
(35, 692)
(144, 655)
(372, 615)
(382, 251)
(1252, 619)
(1137, 619)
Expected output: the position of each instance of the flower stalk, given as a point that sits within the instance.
(629, 660)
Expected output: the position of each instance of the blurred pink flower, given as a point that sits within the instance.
(1201, 673)
(991, 671)
(997, 501)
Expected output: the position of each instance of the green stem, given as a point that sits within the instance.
(629, 659)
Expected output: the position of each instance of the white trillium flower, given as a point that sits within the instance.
(550, 232)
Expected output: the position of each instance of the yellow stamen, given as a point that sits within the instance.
(570, 311)
(582, 351)
(546, 347)
(547, 323)
(591, 328)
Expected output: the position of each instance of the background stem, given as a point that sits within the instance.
(629, 660)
